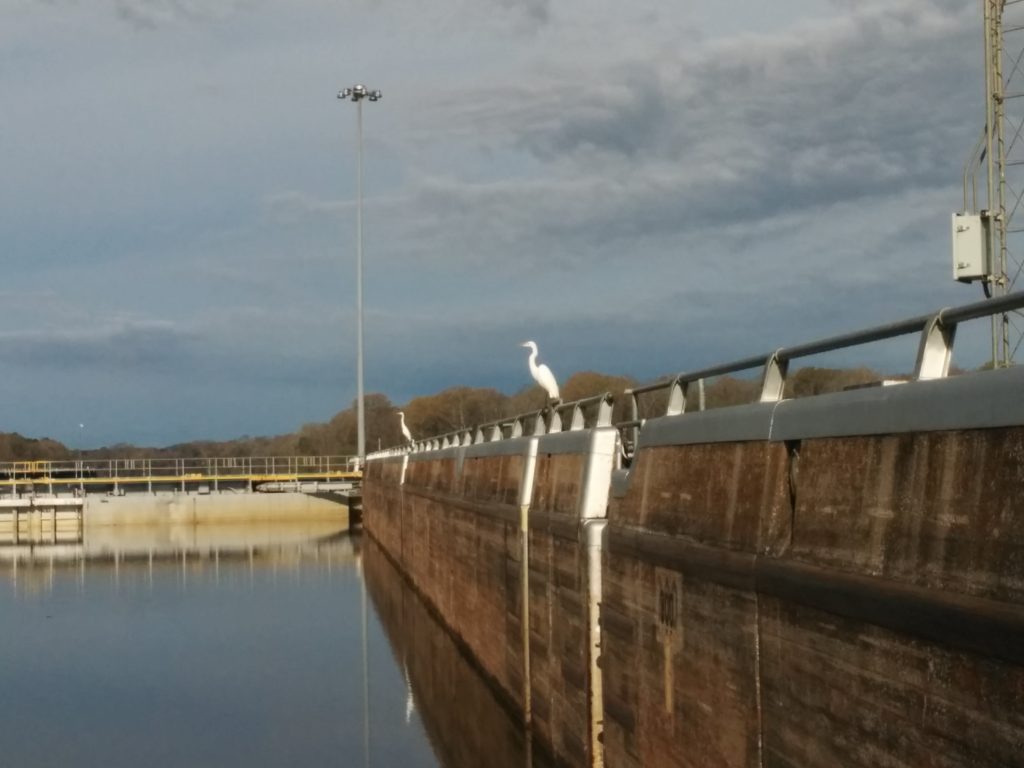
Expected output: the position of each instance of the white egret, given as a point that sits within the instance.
(541, 373)
(405, 430)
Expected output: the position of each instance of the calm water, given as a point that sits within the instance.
(248, 651)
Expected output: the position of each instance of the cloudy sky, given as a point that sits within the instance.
(641, 187)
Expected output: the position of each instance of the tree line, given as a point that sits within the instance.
(446, 411)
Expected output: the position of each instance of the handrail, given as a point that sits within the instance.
(935, 348)
(557, 417)
(178, 468)
(934, 352)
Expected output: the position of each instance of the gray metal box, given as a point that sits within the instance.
(970, 247)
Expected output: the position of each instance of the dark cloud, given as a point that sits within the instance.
(746, 128)
(721, 140)
(538, 11)
(130, 344)
(150, 14)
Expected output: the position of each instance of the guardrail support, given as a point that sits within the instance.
(935, 352)
(773, 382)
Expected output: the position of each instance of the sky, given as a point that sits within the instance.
(640, 187)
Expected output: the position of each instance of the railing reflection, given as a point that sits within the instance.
(193, 551)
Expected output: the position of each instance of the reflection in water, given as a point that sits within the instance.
(198, 647)
(466, 724)
(234, 646)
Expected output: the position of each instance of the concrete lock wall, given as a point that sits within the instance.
(466, 724)
(836, 580)
(462, 525)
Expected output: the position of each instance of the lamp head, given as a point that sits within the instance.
(359, 92)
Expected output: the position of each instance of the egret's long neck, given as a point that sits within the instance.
(533, 361)
(401, 417)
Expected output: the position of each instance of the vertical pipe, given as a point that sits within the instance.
(525, 498)
(593, 533)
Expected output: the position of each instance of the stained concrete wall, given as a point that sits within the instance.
(851, 598)
(834, 581)
(461, 527)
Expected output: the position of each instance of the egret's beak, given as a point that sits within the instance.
(524, 344)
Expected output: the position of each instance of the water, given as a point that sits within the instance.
(245, 654)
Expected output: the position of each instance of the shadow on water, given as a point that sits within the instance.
(464, 719)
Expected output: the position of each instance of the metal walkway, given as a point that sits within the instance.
(181, 474)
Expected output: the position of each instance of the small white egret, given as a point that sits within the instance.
(405, 430)
(541, 373)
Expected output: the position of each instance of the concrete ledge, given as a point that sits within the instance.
(740, 423)
(981, 400)
(194, 509)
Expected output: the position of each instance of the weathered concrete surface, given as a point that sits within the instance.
(558, 645)
(843, 692)
(458, 536)
(731, 495)
(198, 509)
(837, 601)
(845, 601)
(462, 554)
(680, 650)
(944, 510)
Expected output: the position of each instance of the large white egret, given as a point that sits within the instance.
(541, 373)
(405, 430)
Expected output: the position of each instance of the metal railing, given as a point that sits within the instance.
(558, 417)
(177, 469)
(934, 354)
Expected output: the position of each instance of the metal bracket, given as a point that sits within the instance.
(554, 422)
(676, 398)
(773, 382)
(576, 422)
(935, 351)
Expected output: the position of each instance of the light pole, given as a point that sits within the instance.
(358, 93)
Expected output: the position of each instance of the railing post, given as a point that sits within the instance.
(576, 419)
(676, 398)
(554, 422)
(773, 381)
(935, 350)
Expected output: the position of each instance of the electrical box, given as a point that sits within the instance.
(970, 247)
